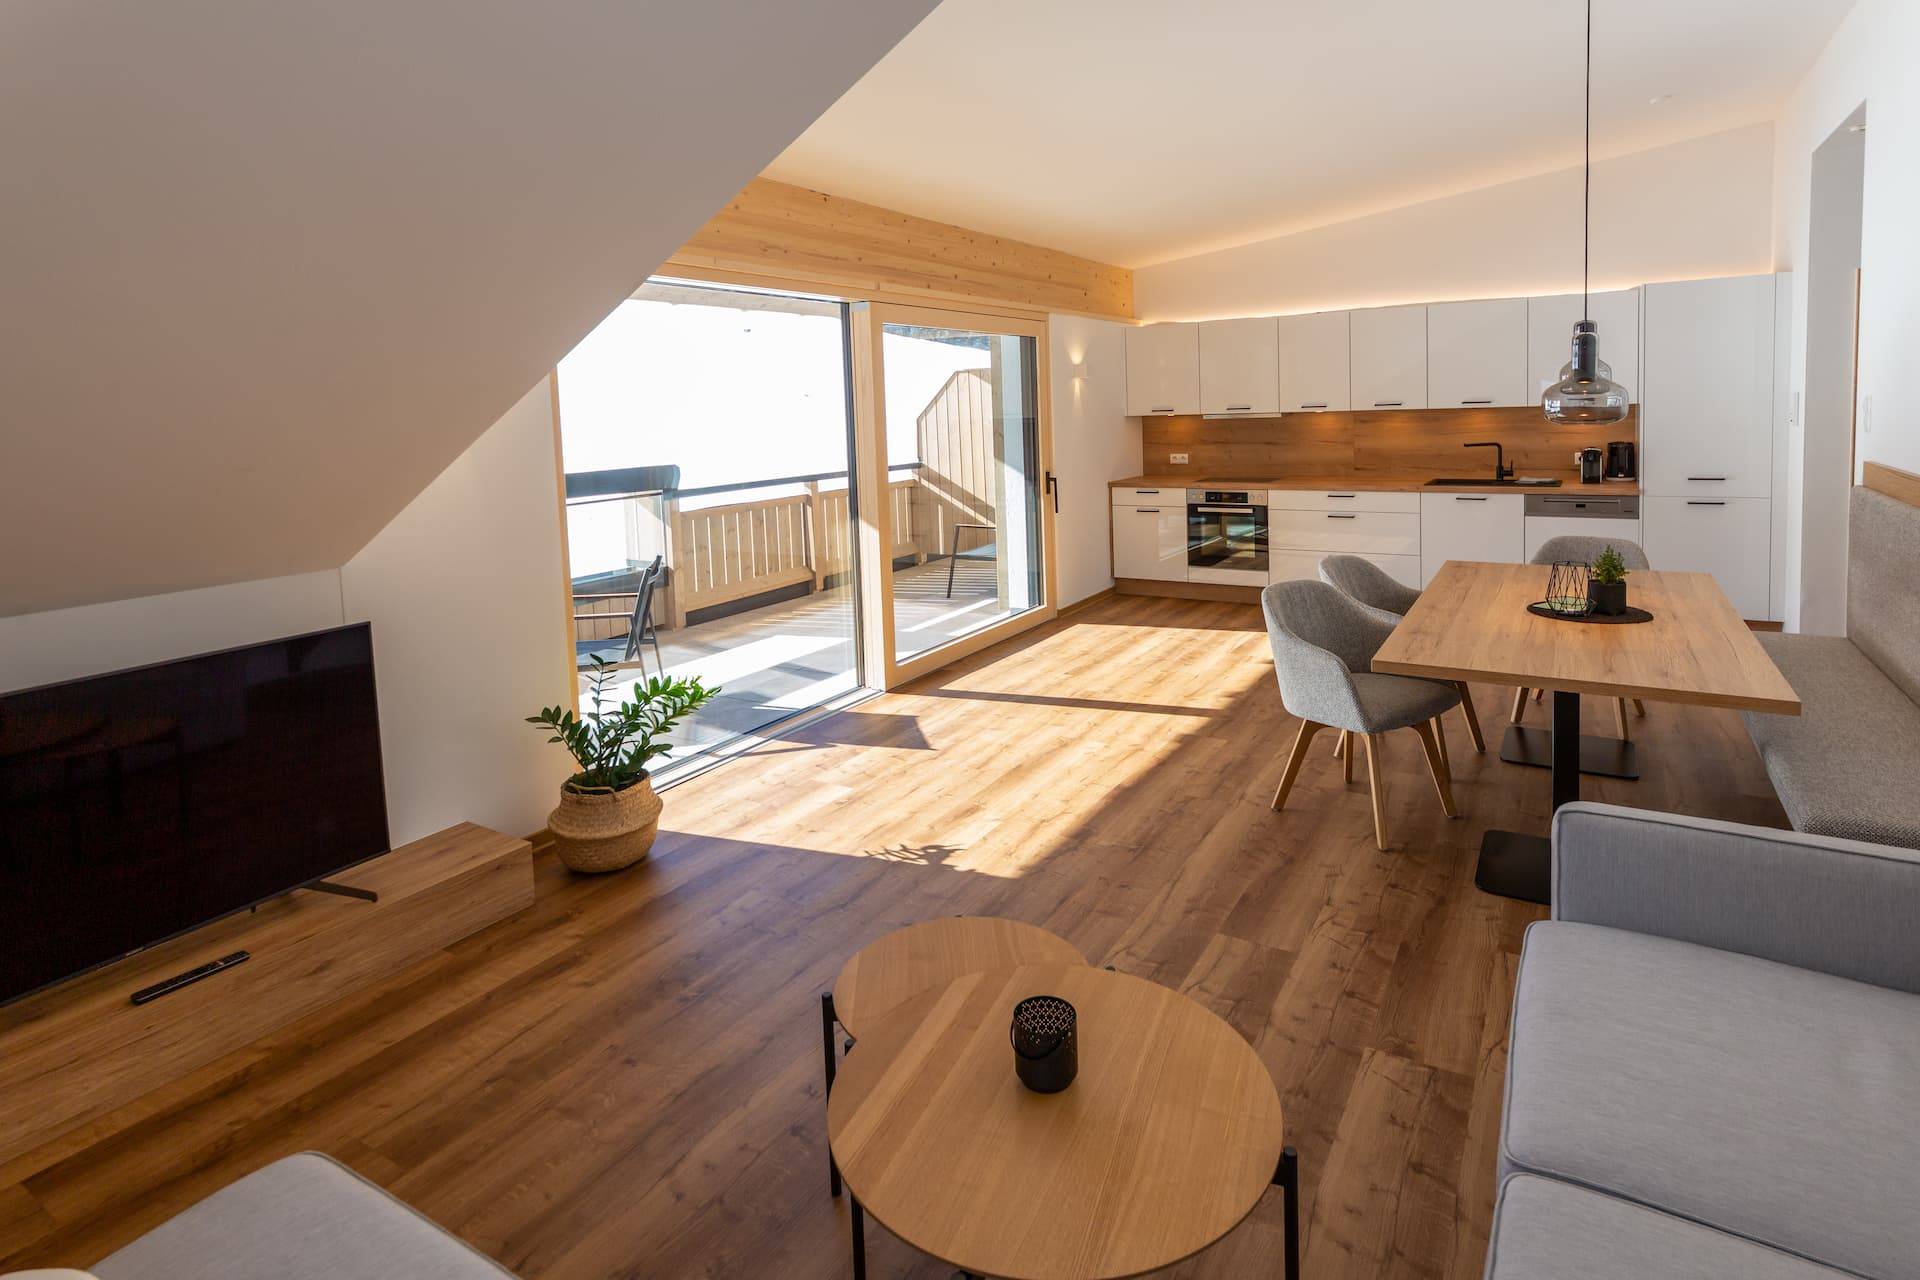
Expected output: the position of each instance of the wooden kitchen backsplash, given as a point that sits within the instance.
(1397, 442)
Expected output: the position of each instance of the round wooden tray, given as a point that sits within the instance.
(1163, 1143)
(1540, 609)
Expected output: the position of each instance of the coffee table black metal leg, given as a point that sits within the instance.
(826, 1036)
(1287, 1178)
(859, 1239)
(1517, 865)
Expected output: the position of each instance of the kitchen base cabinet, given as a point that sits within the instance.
(1292, 566)
(1730, 538)
(1151, 542)
(1459, 526)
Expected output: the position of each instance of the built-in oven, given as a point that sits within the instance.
(1227, 536)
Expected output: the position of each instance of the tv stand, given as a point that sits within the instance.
(78, 1050)
(341, 890)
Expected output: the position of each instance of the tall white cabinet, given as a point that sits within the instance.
(1706, 432)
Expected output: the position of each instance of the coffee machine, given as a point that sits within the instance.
(1591, 466)
(1623, 462)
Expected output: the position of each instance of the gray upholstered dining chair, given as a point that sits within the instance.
(1583, 549)
(1323, 646)
(1373, 586)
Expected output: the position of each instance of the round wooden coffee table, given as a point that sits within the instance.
(923, 957)
(1164, 1142)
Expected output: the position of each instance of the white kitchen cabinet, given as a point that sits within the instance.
(1334, 532)
(1730, 538)
(1313, 363)
(1304, 566)
(1240, 367)
(1163, 369)
(1462, 526)
(1342, 500)
(1151, 542)
(1477, 354)
(1158, 495)
(1550, 321)
(1388, 358)
(1706, 404)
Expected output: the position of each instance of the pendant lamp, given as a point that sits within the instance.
(1586, 391)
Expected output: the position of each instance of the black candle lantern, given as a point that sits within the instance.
(1567, 589)
(1046, 1052)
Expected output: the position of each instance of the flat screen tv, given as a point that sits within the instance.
(137, 805)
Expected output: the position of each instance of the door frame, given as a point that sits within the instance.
(866, 321)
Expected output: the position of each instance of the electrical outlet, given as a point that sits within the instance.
(1177, 459)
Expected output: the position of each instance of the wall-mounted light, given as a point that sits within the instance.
(1079, 370)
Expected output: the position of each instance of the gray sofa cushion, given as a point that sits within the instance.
(1775, 1103)
(302, 1218)
(1846, 765)
(1883, 564)
(1547, 1230)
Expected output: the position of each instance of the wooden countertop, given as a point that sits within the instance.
(1378, 482)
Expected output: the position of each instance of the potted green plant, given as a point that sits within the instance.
(1607, 583)
(608, 813)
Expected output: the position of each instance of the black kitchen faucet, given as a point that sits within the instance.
(1501, 471)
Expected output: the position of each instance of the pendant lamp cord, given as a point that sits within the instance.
(1586, 193)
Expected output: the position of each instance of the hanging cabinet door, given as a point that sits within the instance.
(1313, 363)
(1240, 367)
(1389, 358)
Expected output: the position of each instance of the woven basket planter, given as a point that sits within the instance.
(595, 831)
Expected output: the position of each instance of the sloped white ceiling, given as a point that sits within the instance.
(267, 268)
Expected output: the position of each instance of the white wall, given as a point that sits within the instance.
(1093, 442)
(1871, 61)
(465, 590)
(90, 640)
(1694, 209)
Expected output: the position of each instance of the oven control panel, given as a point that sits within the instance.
(1228, 497)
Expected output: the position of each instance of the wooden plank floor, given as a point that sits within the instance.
(625, 1079)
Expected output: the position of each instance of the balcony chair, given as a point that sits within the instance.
(1323, 646)
(1374, 587)
(1582, 549)
(640, 628)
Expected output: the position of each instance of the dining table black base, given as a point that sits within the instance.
(1514, 864)
(1600, 757)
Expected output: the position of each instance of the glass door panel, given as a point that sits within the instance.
(965, 481)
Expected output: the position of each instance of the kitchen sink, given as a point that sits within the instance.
(1522, 482)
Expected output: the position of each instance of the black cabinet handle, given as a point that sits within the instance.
(1706, 504)
(1388, 404)
(1334, 515)
(1146, 491)
(1342, 495)
(1239, 408)
(1147, 511)
(1158, 409)
(1722, 479)
(1460, 498)
(1476, 402)
(1321, 405)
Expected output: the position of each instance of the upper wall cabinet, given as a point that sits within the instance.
(1163, 369)
(1313, 363)
(1706, 411)
(1389, 358)
(1550, 324)
(1240, 367)
(1477, 354)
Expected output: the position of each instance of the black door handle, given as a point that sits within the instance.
(1053, 487)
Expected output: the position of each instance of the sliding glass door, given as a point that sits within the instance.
(959, 421)
(705, 435)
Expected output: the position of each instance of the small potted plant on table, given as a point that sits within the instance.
(608, 813)
(1607, 583)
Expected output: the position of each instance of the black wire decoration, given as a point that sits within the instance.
(1046, 1048)
(1567, 589)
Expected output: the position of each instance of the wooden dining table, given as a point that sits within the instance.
(1472, 623)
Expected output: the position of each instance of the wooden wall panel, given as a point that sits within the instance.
(1398, 443)
(774, 228)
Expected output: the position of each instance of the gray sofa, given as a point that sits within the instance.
(306, 1217)
(1846, 765)
(1714, 1063)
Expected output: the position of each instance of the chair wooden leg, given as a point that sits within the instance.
(1639, 707)
(1539, 694)
(1440, 737)
(1346, 757)
(1294, 760)
(1437, 766)
(1620, 718)
(1519, 705)
(1473, 717)
(1340, 744)
(1377, 785)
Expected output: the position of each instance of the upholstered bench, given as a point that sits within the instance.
(306, 1217)
(1846, 765)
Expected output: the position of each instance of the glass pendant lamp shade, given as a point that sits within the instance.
(1586, 391)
